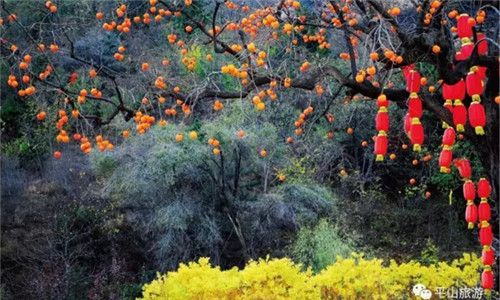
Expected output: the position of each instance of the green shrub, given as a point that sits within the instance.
(319, 246)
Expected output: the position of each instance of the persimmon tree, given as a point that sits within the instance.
(434, 57)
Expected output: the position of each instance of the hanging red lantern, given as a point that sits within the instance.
(416, 134)
(477, 117)
(484, 211)
(414, 106)
(469, 190)
(471, 214)
(481, 72)
(407, 69)
(407, 124)
(382, 120)
(485, 233)
(448, 137)
(454, 91)
(482, 44)
(463, 166)
(466, 51)
(464, 27)
(487, 280)
(448, 104)
(459, 56)
(445, 159)
(459, 115)
(382, 101)
(474, 84)
(380, 146)
(483, 188)
(413, 81)
(488, 257)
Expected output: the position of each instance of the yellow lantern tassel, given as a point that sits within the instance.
(479, 130)
(445, 125)
(470, 225)
(417, 148)
(444, 170)
(460, 128)
(379, 157)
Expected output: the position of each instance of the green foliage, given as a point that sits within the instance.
(430, 254)
(183, 189)
(319, 246)
(104, 165)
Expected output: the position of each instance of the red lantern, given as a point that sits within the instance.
(481, 71)
(445, 158)
(414, 106)
(474, 84)
(454, 91)
(488, 257)
(469, 190)
(464, 27)
(466, 51)
(487, 280)
(413, 81)
(463, 166)
(382, 120)
(485, 233)
(449, 106)
(484, 211)
(380, 146)
(407, 69)
(416, 134)
(448, 137)
(477, 117)
(482, 46)
(471, 214)
(459, 116)
(382, 101)
(459, 56)
(483, 188)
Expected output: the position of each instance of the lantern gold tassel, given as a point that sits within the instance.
(479, 130)
(444, 170)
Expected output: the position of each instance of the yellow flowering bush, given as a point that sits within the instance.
(348, 278)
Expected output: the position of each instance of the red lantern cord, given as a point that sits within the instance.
(382, 126)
